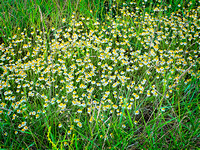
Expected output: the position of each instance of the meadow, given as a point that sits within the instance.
(102, 74)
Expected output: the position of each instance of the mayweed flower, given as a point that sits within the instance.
(131, 99)
(69, 132)
(76, 120)
(23, 124)
(115, 106)
(60, 125)
(162, 109)
(65, 143)
(167, 95)
(25, 128)
(129, 107)
(37, 116)
(79, 124)
(136, 112)
(123, 126)
(79, 111)
(63, 20)
(135, 122)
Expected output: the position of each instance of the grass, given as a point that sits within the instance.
(99, 74)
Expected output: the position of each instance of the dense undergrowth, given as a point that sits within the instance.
(99, 75)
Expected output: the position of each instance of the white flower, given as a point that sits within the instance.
(162, 109)
(136, 112)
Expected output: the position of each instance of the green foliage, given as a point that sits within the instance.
(137, 96)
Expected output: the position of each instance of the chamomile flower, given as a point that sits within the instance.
(137, 112)
(59, 125)
(162, 109)
(25, 128)
(79, 124)
(63, 20)
(79, 111)
(69, 132)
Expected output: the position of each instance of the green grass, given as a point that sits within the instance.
(51, 65)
